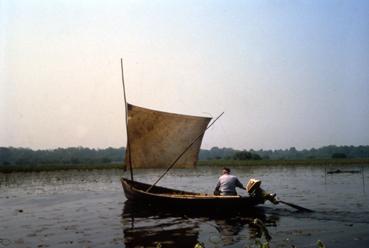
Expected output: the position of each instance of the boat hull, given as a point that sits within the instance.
(166, 197)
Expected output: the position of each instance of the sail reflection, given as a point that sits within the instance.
(147, 226)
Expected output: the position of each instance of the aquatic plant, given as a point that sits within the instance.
(199, 245)
(262, 229)
(320, 244)
(261, 245)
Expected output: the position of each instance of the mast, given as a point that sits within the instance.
(126, 108)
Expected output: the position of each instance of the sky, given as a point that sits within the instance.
(286, 73)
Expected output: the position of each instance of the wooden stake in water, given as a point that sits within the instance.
(362, 176)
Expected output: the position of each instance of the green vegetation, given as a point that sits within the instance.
(55, 167)
(61, 156)
(325, 152)
(230, 163)
(245, 155)
(27, 160)
(338, 155)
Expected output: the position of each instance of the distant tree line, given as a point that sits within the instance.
(81, 155)
(325, 152)
(73, 155)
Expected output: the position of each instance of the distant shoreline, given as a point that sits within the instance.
(266, 162)
(230, 163)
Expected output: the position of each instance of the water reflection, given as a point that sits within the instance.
(146, 226)
(153, 235)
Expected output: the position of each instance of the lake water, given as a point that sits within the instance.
(88, 209)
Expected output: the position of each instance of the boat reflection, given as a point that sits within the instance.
(147, 226)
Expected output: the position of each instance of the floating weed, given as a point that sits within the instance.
(320, 244)
(261, 245)
(258, 244)
(199, 245)
(261, 231)
(262, 228)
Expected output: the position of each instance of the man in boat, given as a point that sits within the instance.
(227, 184)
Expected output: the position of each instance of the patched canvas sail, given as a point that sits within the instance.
(157, 138)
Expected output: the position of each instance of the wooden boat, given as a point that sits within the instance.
(159, 139)
(137, 192)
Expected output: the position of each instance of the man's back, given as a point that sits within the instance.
(227, 184)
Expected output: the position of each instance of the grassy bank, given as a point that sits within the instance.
(228, 163)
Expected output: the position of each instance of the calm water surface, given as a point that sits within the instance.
(89, 209)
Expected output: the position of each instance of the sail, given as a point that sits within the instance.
(157, 138)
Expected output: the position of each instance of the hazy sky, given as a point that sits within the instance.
(286, 73)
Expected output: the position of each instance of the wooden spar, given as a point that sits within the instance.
(188, 147)
(296, 206)
(126, 108)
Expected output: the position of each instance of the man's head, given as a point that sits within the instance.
(226, 170)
